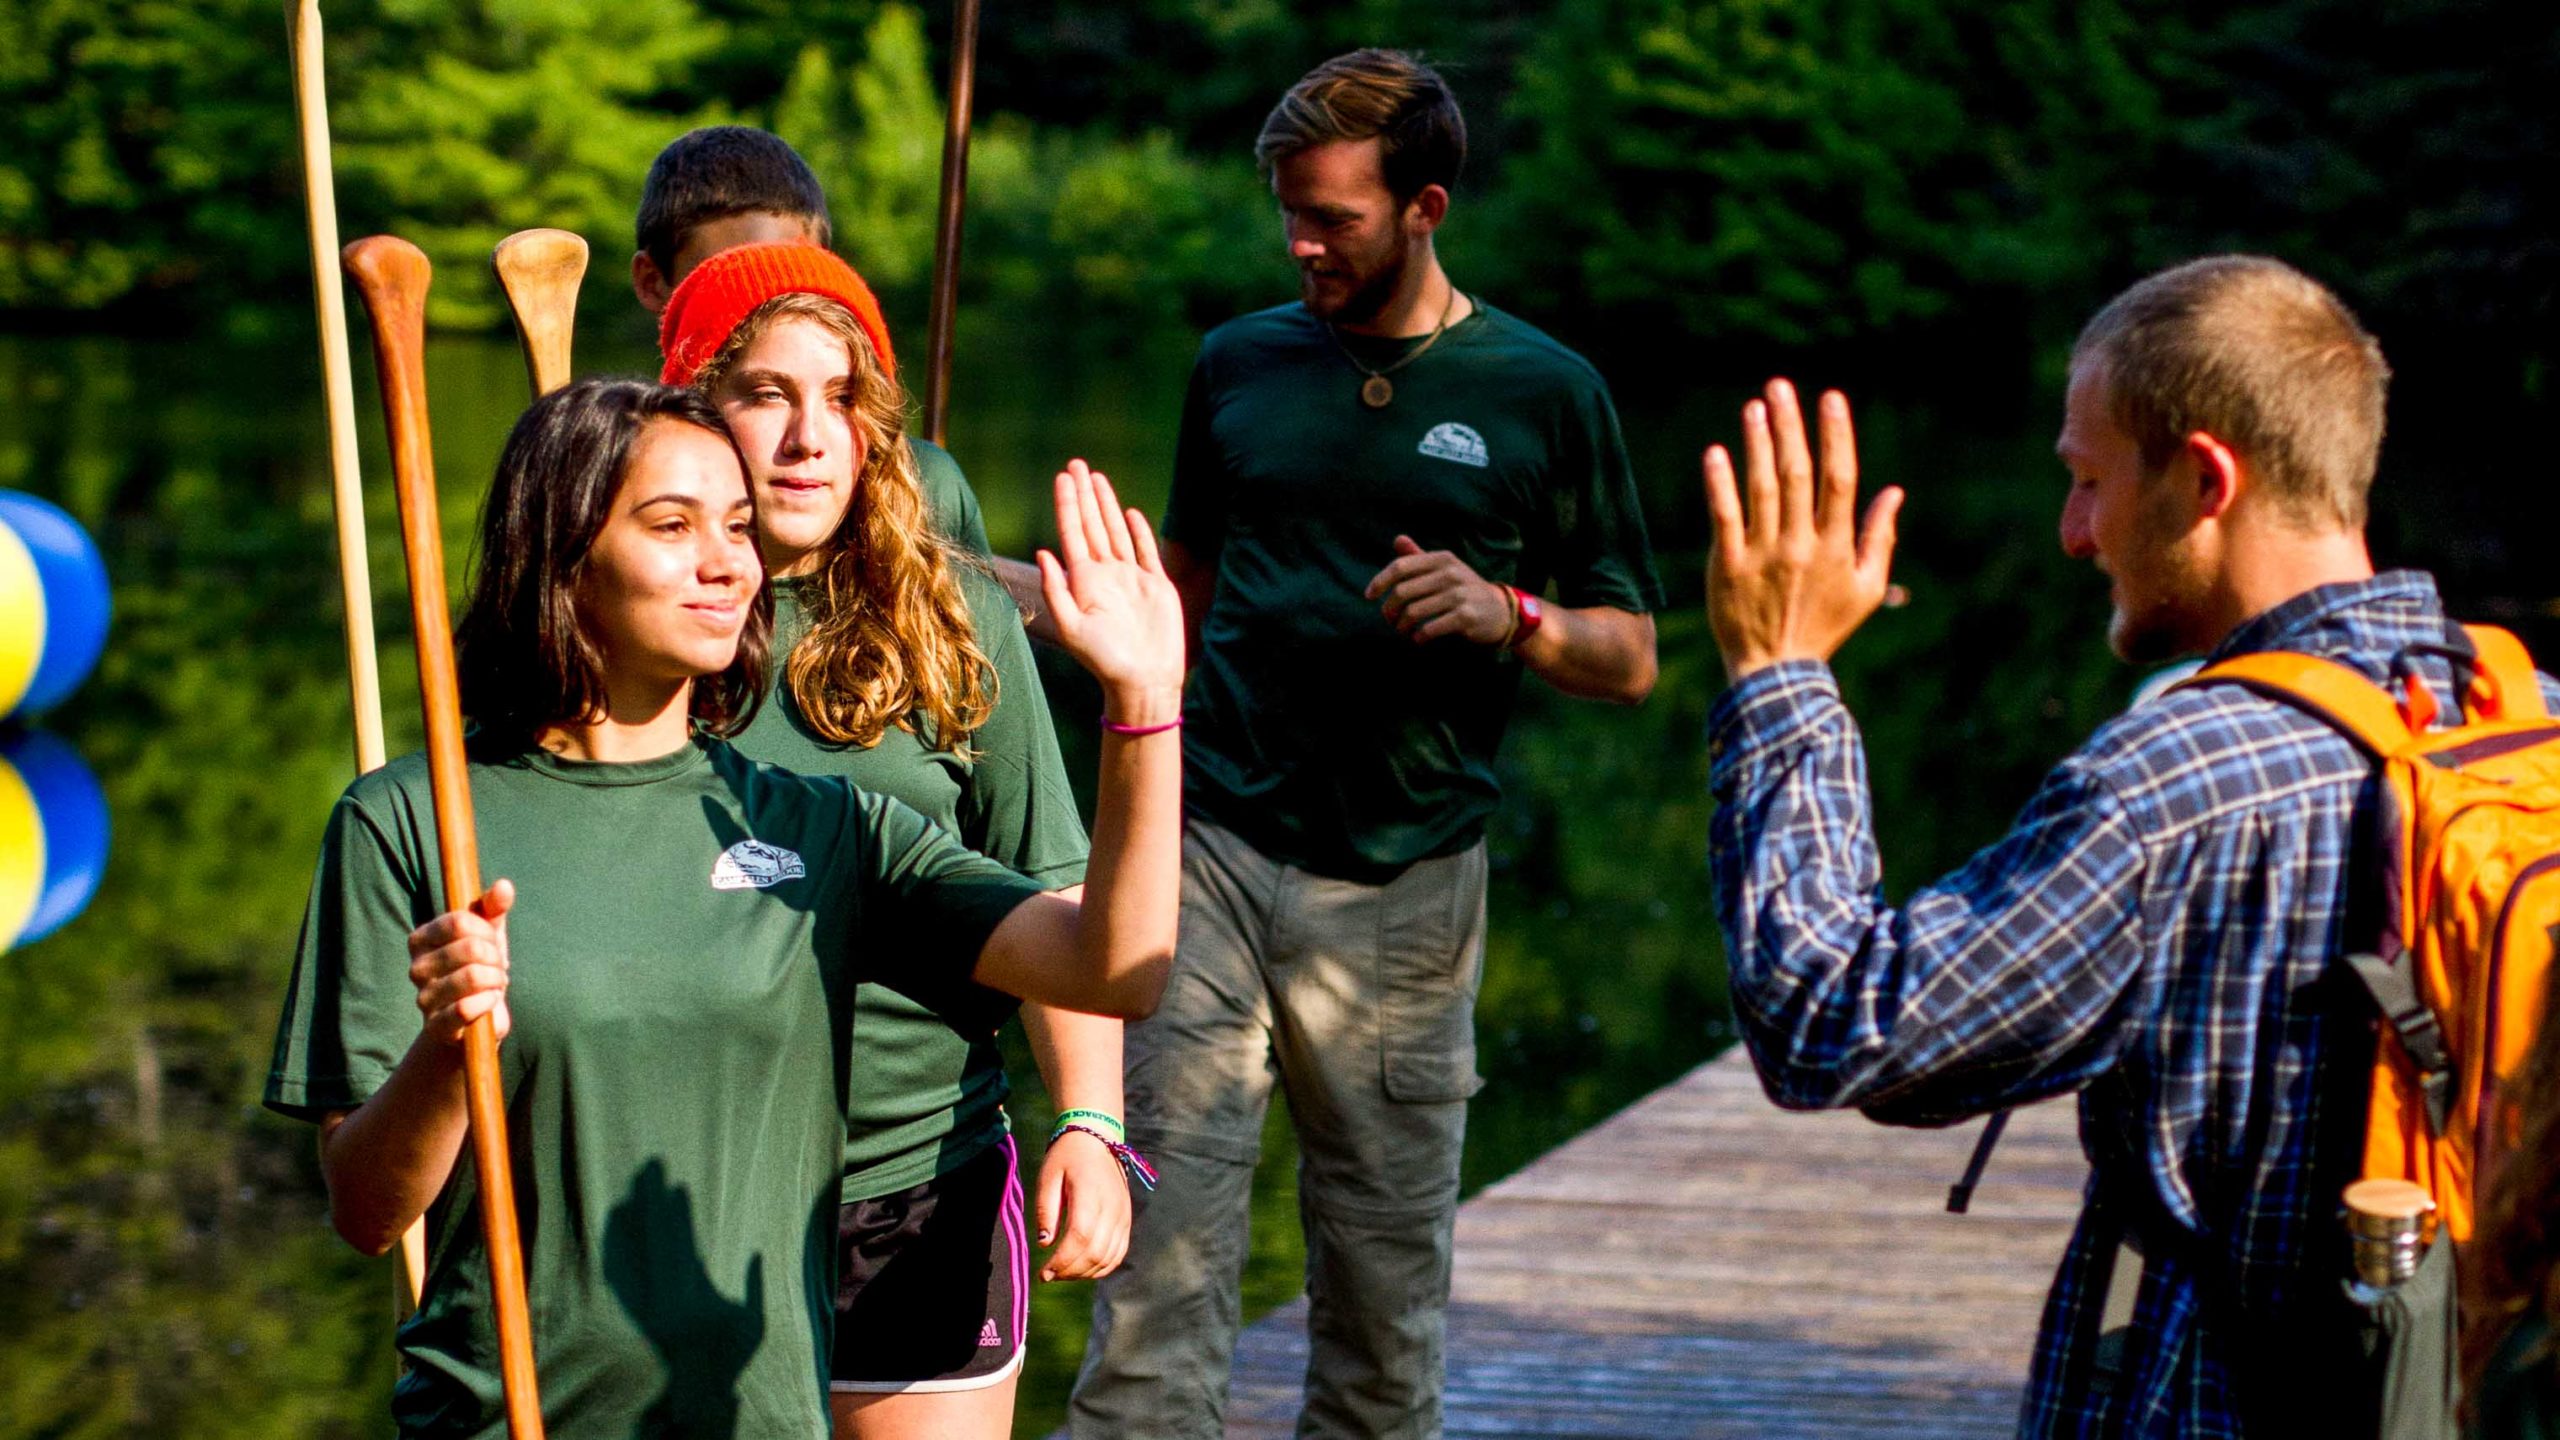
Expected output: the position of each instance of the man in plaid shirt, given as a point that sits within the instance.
(2157, 932)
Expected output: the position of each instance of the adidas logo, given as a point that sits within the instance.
(988, 1339)
(1450, 440)
(754, 865)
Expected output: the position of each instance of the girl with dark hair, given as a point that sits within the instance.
(902, 666)
(694, 926)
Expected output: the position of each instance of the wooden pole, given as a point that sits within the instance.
(540, 271)
(355, 570)
(946, 239)
(392, 275)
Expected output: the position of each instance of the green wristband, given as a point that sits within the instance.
(1100, 1120)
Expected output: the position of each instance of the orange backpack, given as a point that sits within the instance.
(2470, 851)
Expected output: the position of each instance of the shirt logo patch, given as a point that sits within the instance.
(1450, 440)
(754, 865)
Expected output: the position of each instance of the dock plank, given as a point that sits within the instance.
(1703, 1265)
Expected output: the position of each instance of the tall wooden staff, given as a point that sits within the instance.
(540, 271)
(946, 239)
(355, 573)
(392, 275)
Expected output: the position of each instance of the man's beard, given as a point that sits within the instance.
(2164, 627)
(1368, 298)
(2152, 637)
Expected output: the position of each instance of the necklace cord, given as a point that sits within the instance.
(1436, 332)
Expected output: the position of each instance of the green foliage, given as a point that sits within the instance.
(1983, 172)
(467, 122)
(1137, 232)
(147, 156)
(1969, 172)
(1077, 222)
(163, 1268)
(1794, 171)
(873, 133)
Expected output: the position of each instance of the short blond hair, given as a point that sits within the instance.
(2263, 358)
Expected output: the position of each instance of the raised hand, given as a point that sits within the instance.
(458, 961)
(1431, 593)
(1116, 612)
(1791, 577)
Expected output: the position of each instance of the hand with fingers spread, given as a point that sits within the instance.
(458, 961)
(1084, 1206)
(1431, 593)
(1793, 573)
(1116, 612)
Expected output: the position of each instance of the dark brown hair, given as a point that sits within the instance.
(526, 658)
(719, 171)
(1386, 93)
(890, 635)
(2263, 358)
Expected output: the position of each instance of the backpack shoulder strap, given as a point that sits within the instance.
(2352, 705)
(2365, 713)
(2503, 661)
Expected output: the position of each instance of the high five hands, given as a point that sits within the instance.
(1116, 612)
(1791, 578)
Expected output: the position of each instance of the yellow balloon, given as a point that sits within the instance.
(21, 855)
(22, 619)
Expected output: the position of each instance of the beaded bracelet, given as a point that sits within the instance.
(1130, 1160)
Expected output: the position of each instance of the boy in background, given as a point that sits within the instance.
(727, 185)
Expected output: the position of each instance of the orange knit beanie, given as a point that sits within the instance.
(725, 289)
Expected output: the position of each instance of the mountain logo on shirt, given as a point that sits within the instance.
(754, 865)
(1450, 440)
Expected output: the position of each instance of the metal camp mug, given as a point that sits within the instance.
(2390, 1223)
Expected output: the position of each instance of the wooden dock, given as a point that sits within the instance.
(1706, 1265)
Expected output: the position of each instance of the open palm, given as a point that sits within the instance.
(1116, 612)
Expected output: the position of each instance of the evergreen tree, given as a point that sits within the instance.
(467, 122)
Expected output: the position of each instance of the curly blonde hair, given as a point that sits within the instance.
(890, 637)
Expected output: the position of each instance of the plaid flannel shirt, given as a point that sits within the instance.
(2155, 933)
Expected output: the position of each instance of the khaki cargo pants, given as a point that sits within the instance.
(1360, 1001)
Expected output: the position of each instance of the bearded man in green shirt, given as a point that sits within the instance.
(1373, 490)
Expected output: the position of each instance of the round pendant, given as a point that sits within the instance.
(1375, 392)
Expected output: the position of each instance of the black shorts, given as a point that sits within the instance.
(933, 1282)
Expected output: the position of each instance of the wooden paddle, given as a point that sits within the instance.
(946, 235)
(392, 275)
(540, 271)
(355, 573)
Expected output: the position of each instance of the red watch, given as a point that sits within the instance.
(1530, 615)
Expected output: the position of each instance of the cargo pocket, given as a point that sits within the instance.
(1430, 963)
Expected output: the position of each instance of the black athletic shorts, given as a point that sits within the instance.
(933, 1282)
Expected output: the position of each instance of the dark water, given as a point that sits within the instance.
(164, 1265)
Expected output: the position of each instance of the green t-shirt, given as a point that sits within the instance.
(1314, 729)
(929, 1083)
(948, 498)
(686, 937)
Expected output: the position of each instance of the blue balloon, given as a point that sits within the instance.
(72, 810)
(73, 578)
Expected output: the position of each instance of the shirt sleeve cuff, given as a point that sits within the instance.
(1769, 712)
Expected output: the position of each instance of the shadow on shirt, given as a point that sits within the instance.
(704, 1339)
